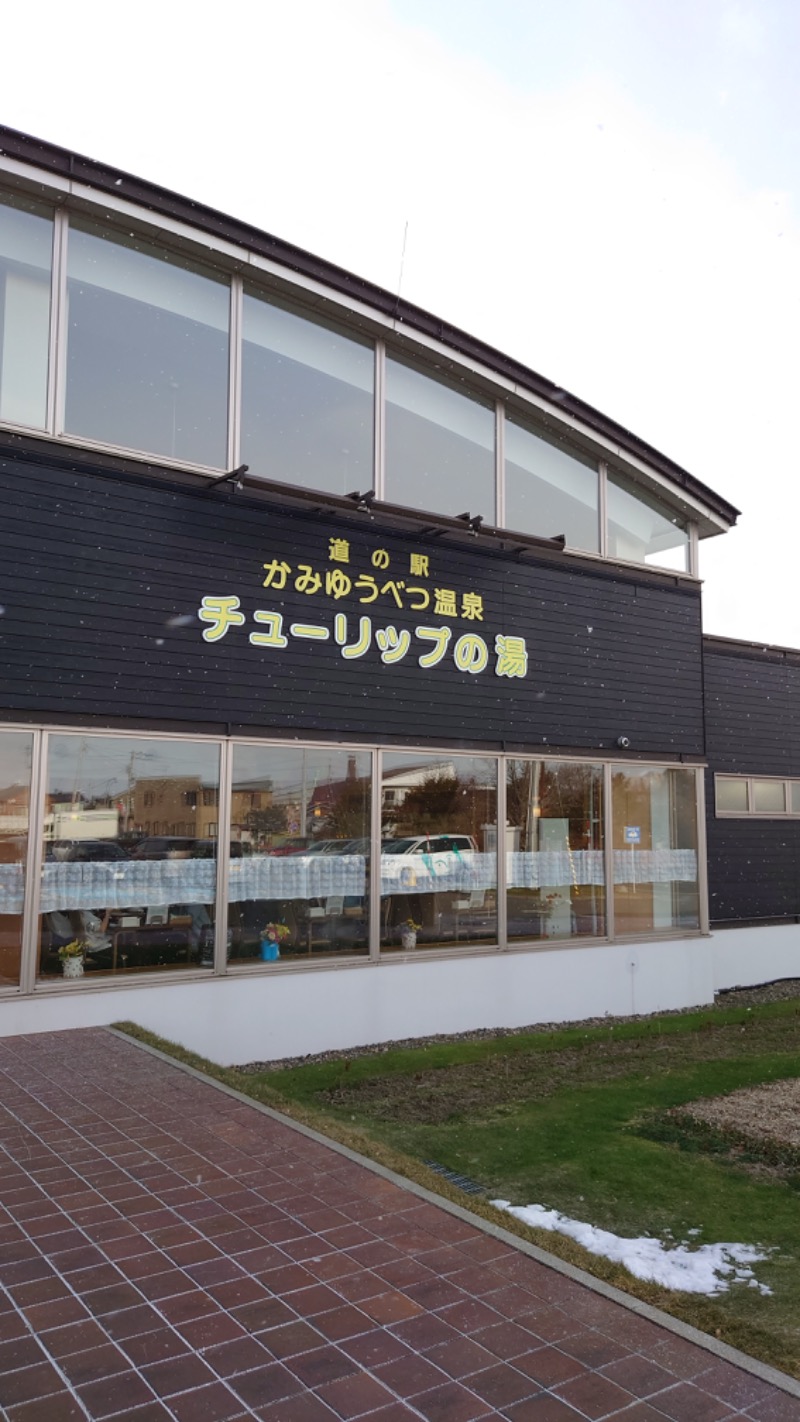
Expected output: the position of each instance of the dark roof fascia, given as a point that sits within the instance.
(749, 651)
(76, 168)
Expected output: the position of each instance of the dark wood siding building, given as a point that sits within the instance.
(333, 640)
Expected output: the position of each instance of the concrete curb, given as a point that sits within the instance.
(714, 1346)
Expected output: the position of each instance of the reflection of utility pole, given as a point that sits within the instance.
(82, 749)
(534, 809)
(129, 816)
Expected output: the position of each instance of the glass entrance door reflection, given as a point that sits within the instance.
(438, 851)
(300, 853)
(655, 849)
(554, 850)
(129, 855)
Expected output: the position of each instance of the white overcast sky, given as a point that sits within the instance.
(605, 189)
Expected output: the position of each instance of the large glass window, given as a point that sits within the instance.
(554, 849)
(643, 530)
(307, 401)
(26, 252)
(15, 779)
(147, 348)
(438, 851)
(439, 445)
(130, 850)
(550, 491)
(300, 853)
(655, 849)
(129, 878)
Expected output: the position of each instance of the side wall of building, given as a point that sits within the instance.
(752, 710)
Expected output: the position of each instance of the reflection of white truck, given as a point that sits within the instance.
(73, 822)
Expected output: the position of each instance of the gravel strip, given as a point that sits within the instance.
(765, 1113)
(781, 991)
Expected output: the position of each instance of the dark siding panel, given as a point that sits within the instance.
(101, 580)
(753, 869)
(752, 728)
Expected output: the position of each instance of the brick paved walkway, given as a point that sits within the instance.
(167, 1252)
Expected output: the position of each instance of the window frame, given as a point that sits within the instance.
(787, 781)
(17, 199)
(31, 984)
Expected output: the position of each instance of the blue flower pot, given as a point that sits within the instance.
(270, 951)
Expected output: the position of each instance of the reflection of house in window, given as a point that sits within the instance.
(249, 799)
(14, 810)
(397, 784)
(338, 809)
(177, 797)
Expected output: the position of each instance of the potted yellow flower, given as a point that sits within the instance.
(408, 933)
(71, 956)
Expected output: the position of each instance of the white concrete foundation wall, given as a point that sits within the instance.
(745, 956)
(266, 1016)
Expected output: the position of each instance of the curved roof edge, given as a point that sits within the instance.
(75, 167)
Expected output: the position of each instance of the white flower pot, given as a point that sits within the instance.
(408, 938)
(72, 967)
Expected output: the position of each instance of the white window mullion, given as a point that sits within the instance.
(379, 461)
(223, 858)
(608, 849)
(59, 322)
(702, 850)
(694, 550)
(235, 375)
(500, 463)
(602, 507)
(376, 806)
(502, 858)
(33, 865)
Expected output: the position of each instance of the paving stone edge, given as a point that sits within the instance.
(715, 1346)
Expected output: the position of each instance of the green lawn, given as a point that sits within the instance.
(574, 1120)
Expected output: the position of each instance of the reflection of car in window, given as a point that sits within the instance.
(161, 848)
(178, 846)
(288, 846)
(326, 846)
(419, 857)
(356, 846)
(431, 844)
(89, 850)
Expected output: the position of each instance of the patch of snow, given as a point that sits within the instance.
(701, 1269)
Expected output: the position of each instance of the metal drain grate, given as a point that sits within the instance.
(463, 1182)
